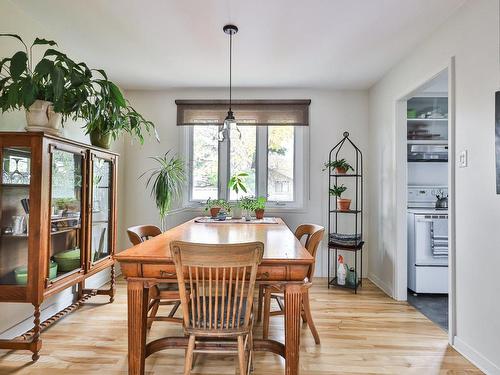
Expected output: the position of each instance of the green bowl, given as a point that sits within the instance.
(68, 260)
(21, 273)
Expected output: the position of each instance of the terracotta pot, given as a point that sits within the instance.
(100, 140)
(259, 214)
(343, 204)
(214, 211)
(339, 170)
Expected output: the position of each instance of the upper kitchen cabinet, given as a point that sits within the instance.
(427, 118)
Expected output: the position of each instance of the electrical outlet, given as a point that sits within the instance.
(463, 161)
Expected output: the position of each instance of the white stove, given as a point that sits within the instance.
(427, 240)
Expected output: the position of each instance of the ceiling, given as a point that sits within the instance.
(154, 44)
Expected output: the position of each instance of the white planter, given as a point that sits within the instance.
(236, 212)
(41, 117)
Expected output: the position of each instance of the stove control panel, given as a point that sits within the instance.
(424, 196)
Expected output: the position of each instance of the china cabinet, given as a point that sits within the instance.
(57, 223)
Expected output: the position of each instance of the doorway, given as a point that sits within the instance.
(424, 268)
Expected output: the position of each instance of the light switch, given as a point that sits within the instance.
(463, 159)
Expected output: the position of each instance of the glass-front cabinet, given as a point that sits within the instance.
(67, 183)
(102, 207)
(14, 214)
(57, 222)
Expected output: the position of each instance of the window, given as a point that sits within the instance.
(270, 145)
(270, 155)
(205, 163)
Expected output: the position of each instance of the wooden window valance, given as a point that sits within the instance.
(246, 112)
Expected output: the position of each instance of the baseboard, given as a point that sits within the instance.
(50, 307)
(382, 285)
(480, 361)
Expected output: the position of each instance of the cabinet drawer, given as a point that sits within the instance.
(167, 271)
(159, 271)
(265, 273)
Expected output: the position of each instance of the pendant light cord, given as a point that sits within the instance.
(230, 67)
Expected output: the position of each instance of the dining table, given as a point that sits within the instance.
(150, 263)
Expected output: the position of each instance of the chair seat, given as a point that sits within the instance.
(221, 320)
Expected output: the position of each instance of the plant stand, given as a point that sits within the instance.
(353, 218)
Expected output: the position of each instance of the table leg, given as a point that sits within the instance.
(293, 307)
(137, 293)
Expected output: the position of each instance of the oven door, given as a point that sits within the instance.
(431, 240)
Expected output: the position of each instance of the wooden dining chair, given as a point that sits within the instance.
(313, 235)
(219, 302)
(160, 295)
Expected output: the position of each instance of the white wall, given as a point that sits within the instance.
(331, 113)
(471, 35)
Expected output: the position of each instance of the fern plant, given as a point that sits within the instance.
(166, 182)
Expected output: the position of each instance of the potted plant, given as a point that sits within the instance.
(166, 181)
(247, 204)
(259, 206)
(53, 89)
(215, 206)
(343, 204)
(107, 113)
(340, 166)
(237, 184)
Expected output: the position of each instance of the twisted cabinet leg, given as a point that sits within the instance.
(138, 299)
(35, 339)
(293, 309)
(112, 288)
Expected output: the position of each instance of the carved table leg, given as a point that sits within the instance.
(137, 293)
(293, 308)
(112, 287)
(36, 333)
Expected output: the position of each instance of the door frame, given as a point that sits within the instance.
(400, 265)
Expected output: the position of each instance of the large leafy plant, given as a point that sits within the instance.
(72, 89)
(166, 182)
(55, 78)
(108, 112)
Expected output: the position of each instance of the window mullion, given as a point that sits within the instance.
(261, 162)
(224, 148)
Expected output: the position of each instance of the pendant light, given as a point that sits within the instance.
(229, 121)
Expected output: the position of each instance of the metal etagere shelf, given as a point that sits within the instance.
(338, 240)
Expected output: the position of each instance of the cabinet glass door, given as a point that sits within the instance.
(14, 214)
(102, 184)
(65, 226)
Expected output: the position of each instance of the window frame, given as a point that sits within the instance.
(301, 160)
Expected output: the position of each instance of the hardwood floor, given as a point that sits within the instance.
(367, 333)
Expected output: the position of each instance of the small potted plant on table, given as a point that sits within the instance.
(340, 166)
(237, 184)
(343, 204)
(215, 206)
(259, 206)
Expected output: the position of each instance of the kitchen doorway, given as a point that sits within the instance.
(424, 267)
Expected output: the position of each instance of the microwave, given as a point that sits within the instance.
(427, 153)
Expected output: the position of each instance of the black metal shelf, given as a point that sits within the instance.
(346, 286)
(345, 175)
(356, 210)
(345, 211)
(341, 246)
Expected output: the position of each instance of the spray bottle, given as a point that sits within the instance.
(341, 271)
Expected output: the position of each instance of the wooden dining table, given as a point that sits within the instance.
(145, 265)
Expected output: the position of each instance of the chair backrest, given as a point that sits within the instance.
(314, 235)
(221, 281)
(141, 233)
